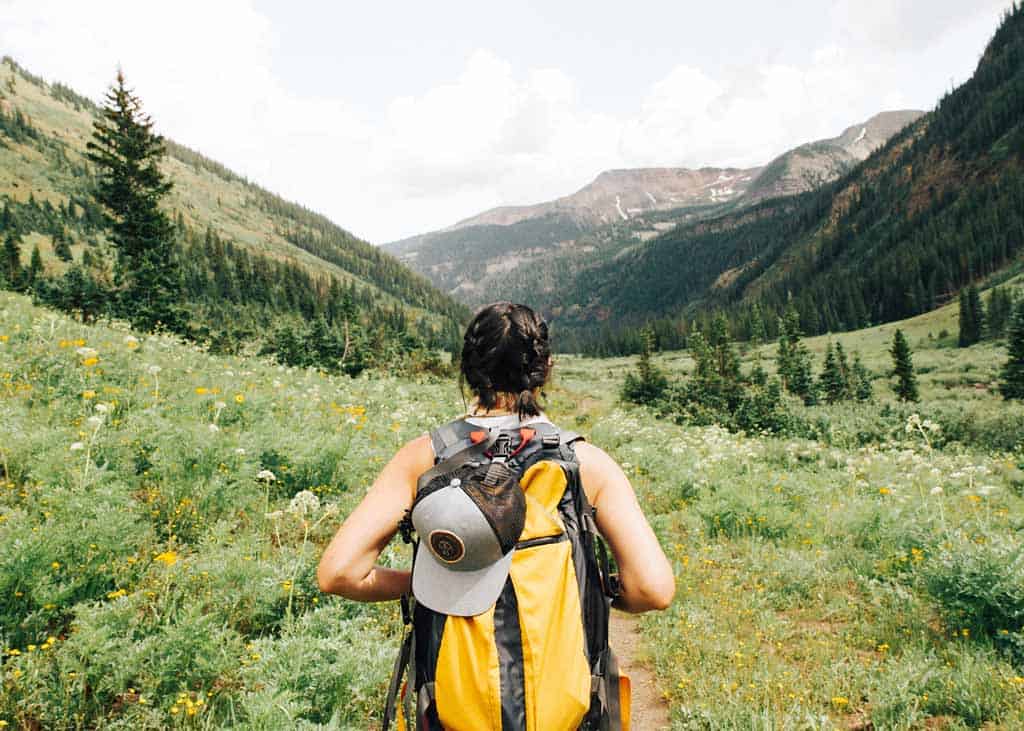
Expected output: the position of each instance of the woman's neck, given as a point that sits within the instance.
(496, 411)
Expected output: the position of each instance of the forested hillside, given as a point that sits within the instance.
(250, 261)
(939, 206)
(525, 253)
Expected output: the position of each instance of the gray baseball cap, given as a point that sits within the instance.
(462, 563)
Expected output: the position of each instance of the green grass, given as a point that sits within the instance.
(819, 585)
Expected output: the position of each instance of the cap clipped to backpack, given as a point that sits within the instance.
(468, 523)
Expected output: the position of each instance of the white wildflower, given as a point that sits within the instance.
(102, 408)
(213, 428)
(76, 446)
(303, 503)
(94, 421)
(219, 405)
(937, 490)
(153, 370)
(240, 451)
(266, 476)
(86, 352)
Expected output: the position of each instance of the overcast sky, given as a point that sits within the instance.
(395, 118)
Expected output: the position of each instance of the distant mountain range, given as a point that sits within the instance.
(475, 258)
(937, 207)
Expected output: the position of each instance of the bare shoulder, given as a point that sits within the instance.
(417, 454)
(592, 456)
(598, 470)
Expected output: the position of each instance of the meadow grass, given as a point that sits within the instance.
(162, 512)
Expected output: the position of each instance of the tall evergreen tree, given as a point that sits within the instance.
(61, 247)
(757, 329)
(861, 380)
(834, 379)
(794, 359)
(998, 312)
(11, 263)
(977, 311)
(903, 368)
(846, 376)
(127, 153)
(648, 384)
(972, 317)
(1011, 383)
(35, 267)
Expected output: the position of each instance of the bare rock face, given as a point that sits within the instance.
(808, 166)
(619, 195)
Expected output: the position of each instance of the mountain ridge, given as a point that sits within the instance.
(495, 254)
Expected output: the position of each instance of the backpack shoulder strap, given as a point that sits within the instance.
(448, 436)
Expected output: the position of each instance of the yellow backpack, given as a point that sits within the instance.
(538, 659)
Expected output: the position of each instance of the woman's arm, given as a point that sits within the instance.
(347, 566)
(645, 573)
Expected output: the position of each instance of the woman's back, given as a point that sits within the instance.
(506, 362)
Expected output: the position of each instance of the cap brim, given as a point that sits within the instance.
(460, 593)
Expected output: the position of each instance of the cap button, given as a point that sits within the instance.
(455, 482)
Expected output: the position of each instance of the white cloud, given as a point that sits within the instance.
(492, 134)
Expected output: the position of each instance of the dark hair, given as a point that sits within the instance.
(506, 349)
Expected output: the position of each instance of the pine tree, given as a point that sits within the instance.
(966, 321)
(861, 380)
(61, 248)
(794, 359)
(6, 218)
(127, 153)
(649, 383)
(846, 377)
(1011, 383)
(11, 264)
(977, 312)
(757, 329)
(789, 337)
(833, 381)
(998, 312)
(972, 317)
(903, 368)
(35, 266)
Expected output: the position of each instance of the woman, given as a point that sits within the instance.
(506, 360)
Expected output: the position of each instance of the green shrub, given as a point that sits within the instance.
(978, 584)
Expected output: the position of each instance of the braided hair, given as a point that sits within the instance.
(506, 350)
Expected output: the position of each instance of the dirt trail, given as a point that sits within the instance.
(650, 711)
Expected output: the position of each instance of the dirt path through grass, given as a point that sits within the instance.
(649, 709)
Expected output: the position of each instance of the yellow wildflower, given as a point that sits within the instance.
(90, 394)
(168, 558)
(200, 390)
(239, 398)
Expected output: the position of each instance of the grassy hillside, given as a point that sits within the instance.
(42, 159)
(162, 512)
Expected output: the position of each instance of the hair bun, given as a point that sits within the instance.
(506, 350)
